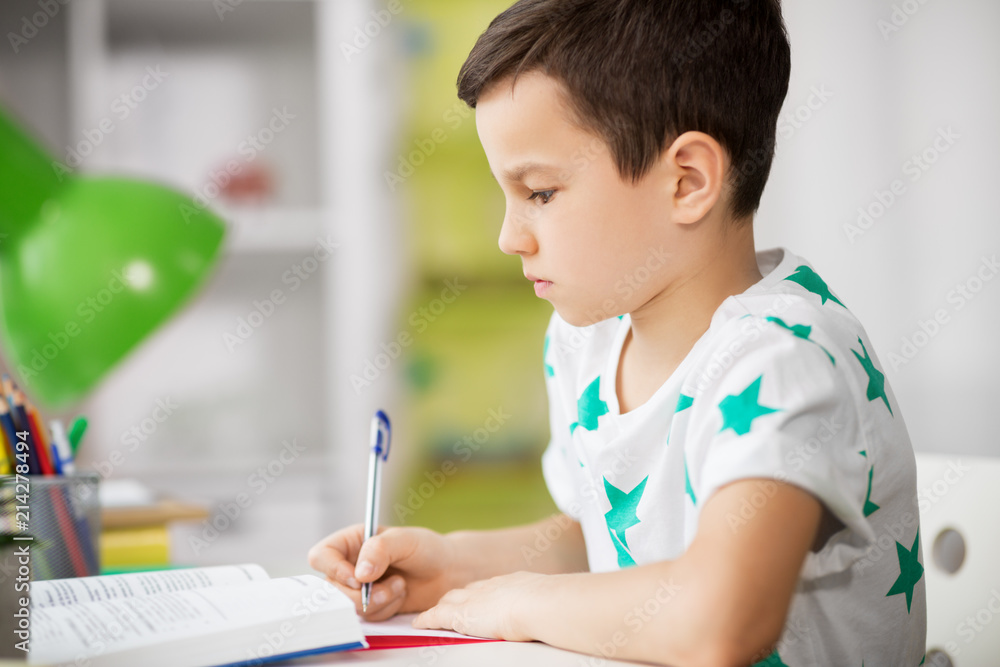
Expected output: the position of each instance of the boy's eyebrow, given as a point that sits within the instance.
(517, 174)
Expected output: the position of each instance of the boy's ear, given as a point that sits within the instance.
(697, 165)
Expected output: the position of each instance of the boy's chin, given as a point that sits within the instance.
(583, 318)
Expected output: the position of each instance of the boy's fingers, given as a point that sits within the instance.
(334, 555)
(345, 576)
(387, 598)
(381, 551)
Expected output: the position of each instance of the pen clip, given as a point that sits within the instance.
(381, 435)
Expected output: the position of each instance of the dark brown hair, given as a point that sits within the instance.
(640, 73)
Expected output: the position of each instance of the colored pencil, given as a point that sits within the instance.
(60, 444)
(6, 467)
(76, 431)
(49, 456)
(10, 431)
(6, 445)
(23, 423)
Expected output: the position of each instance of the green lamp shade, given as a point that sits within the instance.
(88, 267)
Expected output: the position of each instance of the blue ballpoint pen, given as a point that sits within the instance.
(380, 438)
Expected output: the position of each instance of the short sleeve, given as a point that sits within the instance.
(775, 403)
(558, 456)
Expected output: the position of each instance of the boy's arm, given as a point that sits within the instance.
(553, 545)
(723, 602)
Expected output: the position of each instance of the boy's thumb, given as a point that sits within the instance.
(373, 559)
(363, 570)
(381, 551)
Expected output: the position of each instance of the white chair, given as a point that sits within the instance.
(959, 500)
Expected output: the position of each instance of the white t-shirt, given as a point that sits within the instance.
(784, 385)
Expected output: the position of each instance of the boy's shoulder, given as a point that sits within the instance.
(792, 330)
(792, 305)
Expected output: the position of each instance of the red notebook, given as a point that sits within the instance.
(376, 642)
(398, 632)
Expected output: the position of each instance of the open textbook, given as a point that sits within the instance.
(227, 615)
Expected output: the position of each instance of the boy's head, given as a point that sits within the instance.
(639, 73)
(656, 95)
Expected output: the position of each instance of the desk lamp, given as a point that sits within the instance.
(88, 266)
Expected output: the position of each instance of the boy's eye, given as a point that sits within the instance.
(544, 195)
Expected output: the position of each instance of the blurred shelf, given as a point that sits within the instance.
(192, 90)
(263, 230)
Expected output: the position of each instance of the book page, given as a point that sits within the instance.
(401, 625)
(169, 623)
(57, 592)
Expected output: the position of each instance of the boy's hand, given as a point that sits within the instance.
(412, 568)
(485, 608)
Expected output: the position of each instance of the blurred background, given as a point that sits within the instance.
(361, 269)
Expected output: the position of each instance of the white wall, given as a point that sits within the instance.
(888, 96)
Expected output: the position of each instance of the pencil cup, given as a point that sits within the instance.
(62, 515)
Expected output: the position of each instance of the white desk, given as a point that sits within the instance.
(486, 654)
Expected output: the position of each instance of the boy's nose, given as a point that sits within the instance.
(515, 235)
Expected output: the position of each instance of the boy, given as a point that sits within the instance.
(736, 481)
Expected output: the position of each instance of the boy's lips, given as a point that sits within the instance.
(541, 286)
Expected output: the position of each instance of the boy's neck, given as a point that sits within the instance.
(665, 328)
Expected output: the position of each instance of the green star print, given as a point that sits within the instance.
(683, 403)
(622, 516)
(773, 660)
(688, 489)
(869, 507)
(910, 571)
(809, 279)
(590, 407)
(738, 412)
(549, 371)
(801, 331)
(876, 379)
